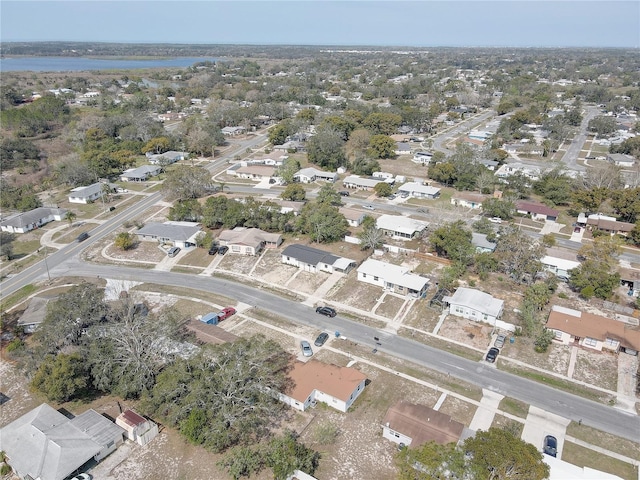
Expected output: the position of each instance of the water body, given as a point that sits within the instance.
(80, 64)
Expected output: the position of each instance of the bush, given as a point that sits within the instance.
(14, 345)
(543, 340)
(587, 292)
(5, 469)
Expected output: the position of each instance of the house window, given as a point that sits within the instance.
(558, 335)
(364, 275)
(375, 279)
(110, 444)
(485, 317)
(235, 248)
(459, 310)
(590, 342)
(610, 342)
(396, 435)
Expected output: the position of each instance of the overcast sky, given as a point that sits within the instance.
(532, 23)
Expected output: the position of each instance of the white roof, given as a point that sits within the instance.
(476, 300)
(395, 274)
(418, 187)
(401, 224)
(559, 262)
(364, 182)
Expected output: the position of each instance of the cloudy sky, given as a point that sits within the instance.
(532, 23)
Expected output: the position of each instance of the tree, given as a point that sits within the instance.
(6, 244)
(328, 195)
(497, 207)
(294, 192)
(324, 223)
(590, 200)
(278, 134)
(382, 189)
(358, 142)
(382, 123)
(70, 216)
(370, 237)
(519, 255)
(288, 169)
(326, 148)
(431, 461)
(626, 204)
(286, 454)
(381, 146)
(498, 454)
(62, 377)
(453, 241)
(363, 165)
(157, 145)
(186, 211)
(443, 172)
(125, 241)
(185, 182)
(596, 275)
(602, 125)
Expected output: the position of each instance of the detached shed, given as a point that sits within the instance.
(138, 428)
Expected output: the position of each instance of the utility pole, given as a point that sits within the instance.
(46, 265)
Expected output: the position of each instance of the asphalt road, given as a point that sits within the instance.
(564, 404)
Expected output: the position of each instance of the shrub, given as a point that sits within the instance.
(587, 292)
(14, 345)
(5, 469)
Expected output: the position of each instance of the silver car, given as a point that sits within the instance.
(500, 339)
(306, 348)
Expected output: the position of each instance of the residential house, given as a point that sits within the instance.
(418, 190)
(560, 267)
(537, 211)
(402, 148)
(468, 199)
(480, 134)
(482, 245)
(593, 331)
(233, 131)
(44, 444)
(171, 116)
(423, 158)
(414, 425)
(179, 234)
(474, 305)
(359, 183)
(314, 260)
(399, 227)
(90, 193)
(36, 218)
(490, 164)
(315, 381)
(140, 174)
(255, 172)
(34, 314)
(289, 206)
(274, 159)
(138, 429)
(630, 278)
(166, 158)
(248, 241)
(291, 146)
(508, 169)
(523, 148)
(621, 159)
(609, 225)
(394, 278)
(354, 217)
(310, 174)
(209, 333)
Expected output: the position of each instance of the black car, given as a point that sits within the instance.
(83, 236)
(492, 354)
(222, 250)
(550, 445)
(328, 311)
(344, 193)
(213, 250)
(323, 337)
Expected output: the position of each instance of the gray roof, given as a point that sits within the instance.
(89, 190)
(35, 312)
(309, 255)
(141, 172)
(32, 216)
(476, 300)
(480, 240)
(99, 428)
(181, 231)
(44, 444)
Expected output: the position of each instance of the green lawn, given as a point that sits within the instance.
(585, 457)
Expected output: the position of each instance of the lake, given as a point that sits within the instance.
(80, 64)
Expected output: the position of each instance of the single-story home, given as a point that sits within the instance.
(423, 158)
(474, 305)
(291, 146)
(621, 159)
(414, 425)
(166, 158)
(289, 206)
(395, 278)
(138, 429)
(90, 193)
(179, 234)
(612, 227)
(171, 116)
(314, 260)
(399, 227)
(357, 182)
(468, 200)
(27, 221)
(418, 190)
(233, 131)
(354, 217)
(310, 174)
(508, 169)
(140, 174)
(315, 381)
(44, 444)
(402, 148)
(34, 314)
(523, 148)
(593, 331)
(481, 244)
(559, 266)
(537, 211)
(255, 172)
(248, 241)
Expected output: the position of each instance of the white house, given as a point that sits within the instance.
(621, 159)
(310, 174)
(166, 158)
(508, 169)
(402, 148)
(418, 190)
(233, 131)
(399, 227)
(36, 218)
(423, 158)
(354, 217)
(90, 193)
(359, 183)
(248, 241)
(314, 260)
(395, 278)
(559, 266)
(138, 429)
(474, 305)
(179, 234)
(315, 381)
(140, 174)
(468, 200)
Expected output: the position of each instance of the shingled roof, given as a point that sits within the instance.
(422, 424)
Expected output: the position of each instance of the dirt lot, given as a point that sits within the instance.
(474, 334)
(555, 359)
(354, 293)
(597, 368)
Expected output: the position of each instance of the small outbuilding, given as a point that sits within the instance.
(138, 429)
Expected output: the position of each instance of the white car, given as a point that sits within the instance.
(495, 220)
(369, 207)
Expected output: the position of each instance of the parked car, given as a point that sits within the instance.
(213, 250)
(222, 250)
(328, 311)
(344, 193)
(392, 196)
(173, 251)
(323, 337)
(306, 348)
(500, 339)
(82, 476)
(226, 313)
(83, 236)
(577, 229)
(492, 354)
(369, 207)
(550, 445)
(495, 220)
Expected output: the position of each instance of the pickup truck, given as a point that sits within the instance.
(214, 318)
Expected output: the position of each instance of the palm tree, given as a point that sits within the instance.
(70, 217)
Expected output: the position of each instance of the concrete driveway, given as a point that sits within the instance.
(540, 423)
